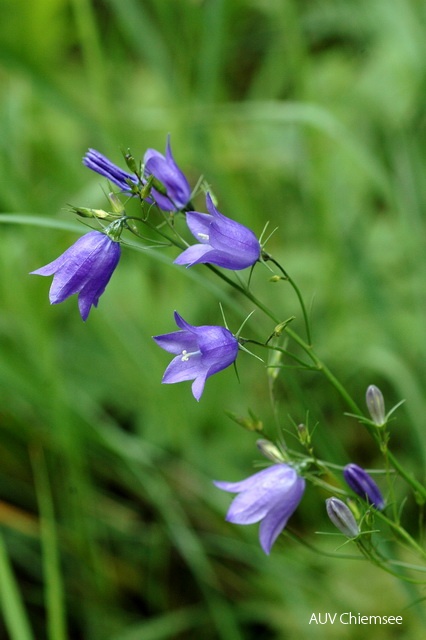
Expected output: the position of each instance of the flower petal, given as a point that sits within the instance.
(101, 164)
(196, 254)
(180, 370)
(199, 225)
(198, 385)
(177, 341)
(279, 514)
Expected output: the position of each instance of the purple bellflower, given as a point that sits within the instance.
(166, 171)
(269, 496)
(363, 485)
(100, 163)
(85, 268)
(223, 241)
(200, 352)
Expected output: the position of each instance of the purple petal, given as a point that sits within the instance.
(165, 169)
(177, 341)
(180, 370)
(279, 514)
(196, 254)
(266, 479)
(199, 225)
(210, 206)
(98, 162)
(183, 324)
(198, 385)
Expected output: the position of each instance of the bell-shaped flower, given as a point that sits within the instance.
(85, 268)
(200, 353)
(100, 163)
(222, 241)
(363, 485)
(269, 496)
(176, 191)
(342, 517)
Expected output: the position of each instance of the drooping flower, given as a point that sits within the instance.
(166, 171)
(376, 405)
(269, 496)
(200, 353)
(100, 163)
(342, 517)
(85, 268)
(363, 485)
(222, 241)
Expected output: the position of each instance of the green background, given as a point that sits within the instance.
(309, 115)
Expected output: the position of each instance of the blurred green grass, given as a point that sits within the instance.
(309, 115)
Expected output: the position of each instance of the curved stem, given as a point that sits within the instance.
(296, 289)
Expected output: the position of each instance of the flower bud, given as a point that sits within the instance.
(270, 450)
(342, 518)
(116, 205)
(84, 212)
(376, 405)
(363, 485)
(131, 162)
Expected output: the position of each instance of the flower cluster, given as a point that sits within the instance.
(271, 496)
(172, 191)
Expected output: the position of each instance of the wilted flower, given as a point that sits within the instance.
(342, 517)
(363, 485)
(269, 496)
(165, 170)
(376, 405)
(85, 268)
(223, 241)
(200, 352)
(100, 163)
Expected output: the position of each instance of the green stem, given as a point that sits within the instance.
(296, 289)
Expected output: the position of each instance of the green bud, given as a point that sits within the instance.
(251, 423)
(116, 205)
(280, 327)
(131, 162)
(157, 184)
(83, 212)
(270, 450)
(146, 189)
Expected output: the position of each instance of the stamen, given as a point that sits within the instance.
(203, 236)
(186, 355)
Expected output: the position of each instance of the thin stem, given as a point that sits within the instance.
(296, 289)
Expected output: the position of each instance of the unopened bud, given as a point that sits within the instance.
(363, 485)
(251, 422)
(84, 212)
(342, 517)
(131, 162)
(116, 204)
(270, 450)
(376, 405)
